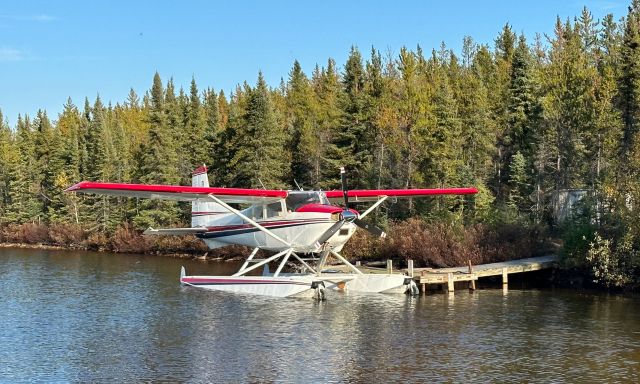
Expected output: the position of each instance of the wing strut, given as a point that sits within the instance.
(248, 220)
(263, 262)
(374, 206)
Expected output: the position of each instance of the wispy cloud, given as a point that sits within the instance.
(40, 18)
(605, 5)
(11, 54)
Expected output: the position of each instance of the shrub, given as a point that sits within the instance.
(68, 235)
(446, 245)
(96, 241)
(125, 239)
(28, 233)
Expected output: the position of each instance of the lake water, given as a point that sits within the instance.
(98, 317)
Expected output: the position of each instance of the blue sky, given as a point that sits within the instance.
(52, 50)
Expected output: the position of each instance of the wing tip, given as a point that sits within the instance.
(75, 187)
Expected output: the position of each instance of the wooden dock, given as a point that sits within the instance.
(470, 273)
(449, 276)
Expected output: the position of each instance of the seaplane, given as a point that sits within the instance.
(303, 228)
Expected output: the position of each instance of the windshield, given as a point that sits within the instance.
(297, 199)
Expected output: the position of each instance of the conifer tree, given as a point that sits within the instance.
(328, 92)
(630, 77)
(258, 161)
(195, 147)
(353, 141)
(304, 141)
(95, 144)
(8, 162)
(158, 159)
(212, 125)
(25, 205)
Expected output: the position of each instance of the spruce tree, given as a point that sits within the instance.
(8, 162)
(25, 177)
(158, 161)
(353, 142)
(304, 141)
(630, 77)
(212, 125)
(259, 160)
(95, 144)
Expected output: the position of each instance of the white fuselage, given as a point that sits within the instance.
(300, 229)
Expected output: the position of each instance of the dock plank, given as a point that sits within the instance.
(439, 276)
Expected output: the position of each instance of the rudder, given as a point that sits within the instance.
(203, 212)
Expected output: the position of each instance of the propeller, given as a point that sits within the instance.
(372, 229)
(348, 216)
(356, 220)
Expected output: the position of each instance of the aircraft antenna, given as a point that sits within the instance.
(261, 183)
(298, 185)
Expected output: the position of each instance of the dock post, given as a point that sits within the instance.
(424, 286)
(389, 266)
(450, 285)
(505, 280)
(472, 283)
(358, 263)
(410, 268)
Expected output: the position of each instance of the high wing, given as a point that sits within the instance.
(180, 193)
(357, 195)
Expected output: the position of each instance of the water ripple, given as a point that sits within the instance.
(78, 316)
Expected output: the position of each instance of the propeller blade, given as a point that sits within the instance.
(330, 232)
(372, 229)
(343, 180)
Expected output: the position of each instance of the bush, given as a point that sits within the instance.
(28, 233)
(445, 245)
(608, 265)
(127, 240)
(67, 235)
(97, 242)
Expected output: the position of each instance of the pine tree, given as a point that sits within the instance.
(95, 144)
(258, 161)
(304, 141)
(353, 142)
(8, 162)
(25, 177)
(326, 85)
(49, 152)
(518, 183)
(158, 160)
(630, 77)
(194, 146)
(213, 125)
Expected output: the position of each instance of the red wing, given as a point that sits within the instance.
(375, 194)
(179, 193)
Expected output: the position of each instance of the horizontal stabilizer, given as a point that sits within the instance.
(174, 231)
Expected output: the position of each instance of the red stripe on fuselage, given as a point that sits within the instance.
(267, 224)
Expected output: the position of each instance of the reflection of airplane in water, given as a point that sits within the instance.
(289, 223)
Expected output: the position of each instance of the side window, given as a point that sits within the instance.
(255, 212)
(274, 209)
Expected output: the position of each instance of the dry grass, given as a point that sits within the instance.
(430, 245)
(442, 245)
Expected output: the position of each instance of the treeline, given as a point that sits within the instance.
(521, 120)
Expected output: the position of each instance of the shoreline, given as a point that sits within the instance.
(52, 247)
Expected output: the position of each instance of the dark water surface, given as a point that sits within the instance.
(90, 317)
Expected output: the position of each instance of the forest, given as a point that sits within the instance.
(526, 122)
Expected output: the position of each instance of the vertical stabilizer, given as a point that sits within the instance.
(203, 212)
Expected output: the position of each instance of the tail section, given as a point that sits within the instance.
(203, 212)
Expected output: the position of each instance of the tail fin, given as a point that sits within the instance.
(203, 212)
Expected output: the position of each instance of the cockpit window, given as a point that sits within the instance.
(296, 200)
